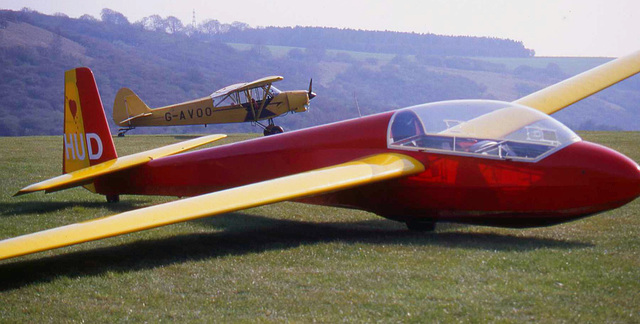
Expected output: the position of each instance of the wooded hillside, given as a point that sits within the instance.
(166, 62)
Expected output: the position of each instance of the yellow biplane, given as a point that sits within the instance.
(242, 102)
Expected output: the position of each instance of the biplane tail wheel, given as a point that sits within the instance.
(273, 129)
(113, 198)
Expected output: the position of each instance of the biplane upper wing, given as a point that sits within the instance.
(346, 175)
(246, 85)
(550, 99)
(83, 176)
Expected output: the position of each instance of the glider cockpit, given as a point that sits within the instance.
(481, 128)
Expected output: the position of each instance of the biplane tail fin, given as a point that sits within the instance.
(87, 138)
(128, 106)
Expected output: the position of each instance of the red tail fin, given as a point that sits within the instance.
(87, 138)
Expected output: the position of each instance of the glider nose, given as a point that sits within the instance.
(637, 181)
(616, 177)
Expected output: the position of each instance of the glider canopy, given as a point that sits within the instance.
(491, 129)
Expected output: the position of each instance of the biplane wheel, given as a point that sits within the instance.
(273, 129)
(113, 198)
(421, 226)
(277, 130)
(120, 134)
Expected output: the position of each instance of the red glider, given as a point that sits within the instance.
(472, 161)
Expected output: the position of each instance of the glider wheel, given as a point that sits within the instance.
(113, 198)
(421, 226)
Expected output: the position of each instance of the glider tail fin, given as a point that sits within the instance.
(127, 107)
(87, 138)
(88, 153)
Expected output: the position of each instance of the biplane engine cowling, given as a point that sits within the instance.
(298, 100)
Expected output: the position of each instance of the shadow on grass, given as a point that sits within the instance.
(244, 234)
(40, 207)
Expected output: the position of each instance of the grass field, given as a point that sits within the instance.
(299, 263)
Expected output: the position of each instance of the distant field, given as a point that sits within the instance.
(299, 263)
(280, 51)
(570, 65)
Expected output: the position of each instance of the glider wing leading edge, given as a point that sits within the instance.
(362, 171)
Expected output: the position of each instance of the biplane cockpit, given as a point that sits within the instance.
(481, 128)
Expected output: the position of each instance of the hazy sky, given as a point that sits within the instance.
(551, 27)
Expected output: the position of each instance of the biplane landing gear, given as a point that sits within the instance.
(123, 131)
(271, 129)
(113, 199)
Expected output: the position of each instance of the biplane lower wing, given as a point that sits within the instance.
(83, 176)
(342, 176)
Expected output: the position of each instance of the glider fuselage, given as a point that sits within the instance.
(579, 180)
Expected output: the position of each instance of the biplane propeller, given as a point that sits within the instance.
(310, 93)
(253, 102)
(482, 162)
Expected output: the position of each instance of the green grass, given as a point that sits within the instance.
(299, 263)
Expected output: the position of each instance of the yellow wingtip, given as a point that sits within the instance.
(29, 189)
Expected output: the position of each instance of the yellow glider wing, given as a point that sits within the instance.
(342, 176)
(502, 122)
(563, 94)
(86, 175)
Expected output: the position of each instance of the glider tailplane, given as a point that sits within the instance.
(128, 106)
(87, 139)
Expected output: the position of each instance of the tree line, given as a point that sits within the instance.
(328, 38)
